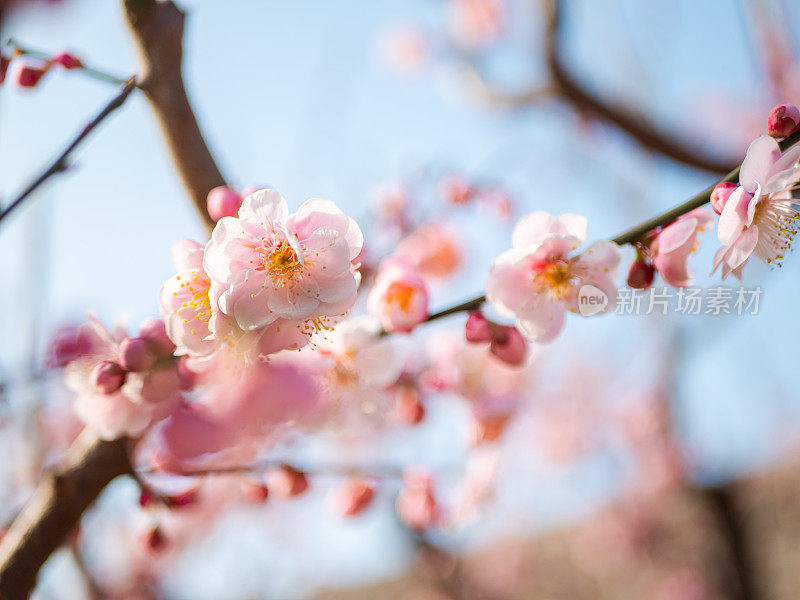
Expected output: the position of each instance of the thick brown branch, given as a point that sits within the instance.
(157, 28)
(639, 129)
(56, 508)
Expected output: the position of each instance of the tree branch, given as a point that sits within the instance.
(56, 508)
(157, 28)
(639, 129)
(60, 164)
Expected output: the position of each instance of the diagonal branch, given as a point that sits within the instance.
(639, 129)
(157, 28)
(56, 508)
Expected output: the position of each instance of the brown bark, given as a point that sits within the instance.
(55, 509)
(157, 28)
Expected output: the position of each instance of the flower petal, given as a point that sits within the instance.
(762, 154)
(264, 207)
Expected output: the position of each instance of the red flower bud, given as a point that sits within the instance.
(641, 275)
(67, 60)
(107, 377)
(783, 120)
(477, 328)
(509, 346)
(27, 76)
(154, 540)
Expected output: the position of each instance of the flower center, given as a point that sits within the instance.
(777, 226)
(558, 277)
(281, 263)
(196, 303)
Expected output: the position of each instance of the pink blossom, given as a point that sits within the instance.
(107, 376)
(276, 266)
(399, 298)
(407, 407)
(672, 246)
(478, 328)
(476, 23)
(113, 414)
(760, 215)
(783, 120)
(155, 332)
(432, 250)
(136, 354)
(456, 190)
(537, 281)
(222, 201)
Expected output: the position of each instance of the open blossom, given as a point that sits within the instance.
(672, 246)
(399, 297)
(433, 250)
(355, 366)
(273, 265)
(760, 215)
(537, 281)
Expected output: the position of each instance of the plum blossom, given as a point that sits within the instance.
(672, 246)
(537, 281)
(433, 250)
(111, 400)
(476, 23)
(272, 265)
(760, 215)
(399, 297)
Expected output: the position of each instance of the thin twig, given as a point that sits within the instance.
(60, 164)
(98, 74)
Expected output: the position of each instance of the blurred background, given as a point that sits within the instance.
(649, 456)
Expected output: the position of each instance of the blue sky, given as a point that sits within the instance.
(290, 94)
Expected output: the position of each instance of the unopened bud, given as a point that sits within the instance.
(641, 275)
(719, 197)
(4, 62)
(107, 377)
(477, 328)
(509, 346)
(783, 120)
(287, 482)
(351, 498)
(407, 407)
(255, 492)
(154, 540)
(67, 60)
(136, 354)
(154, 331)
(27, 76)
(222, 201)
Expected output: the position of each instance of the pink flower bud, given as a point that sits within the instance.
(4, 62)
(509, 346)
(720, 195)
(416, 505)
(154, 331)
(641, 275)
(255, 492)
(222, 201)
(783, 120)
(107, 377)
(477, 328)
(67, 60)
(27, 76)
(157, 386)
(351, 498)
(136, 354)
(407, 408)
(287, 482)
(146, 497)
